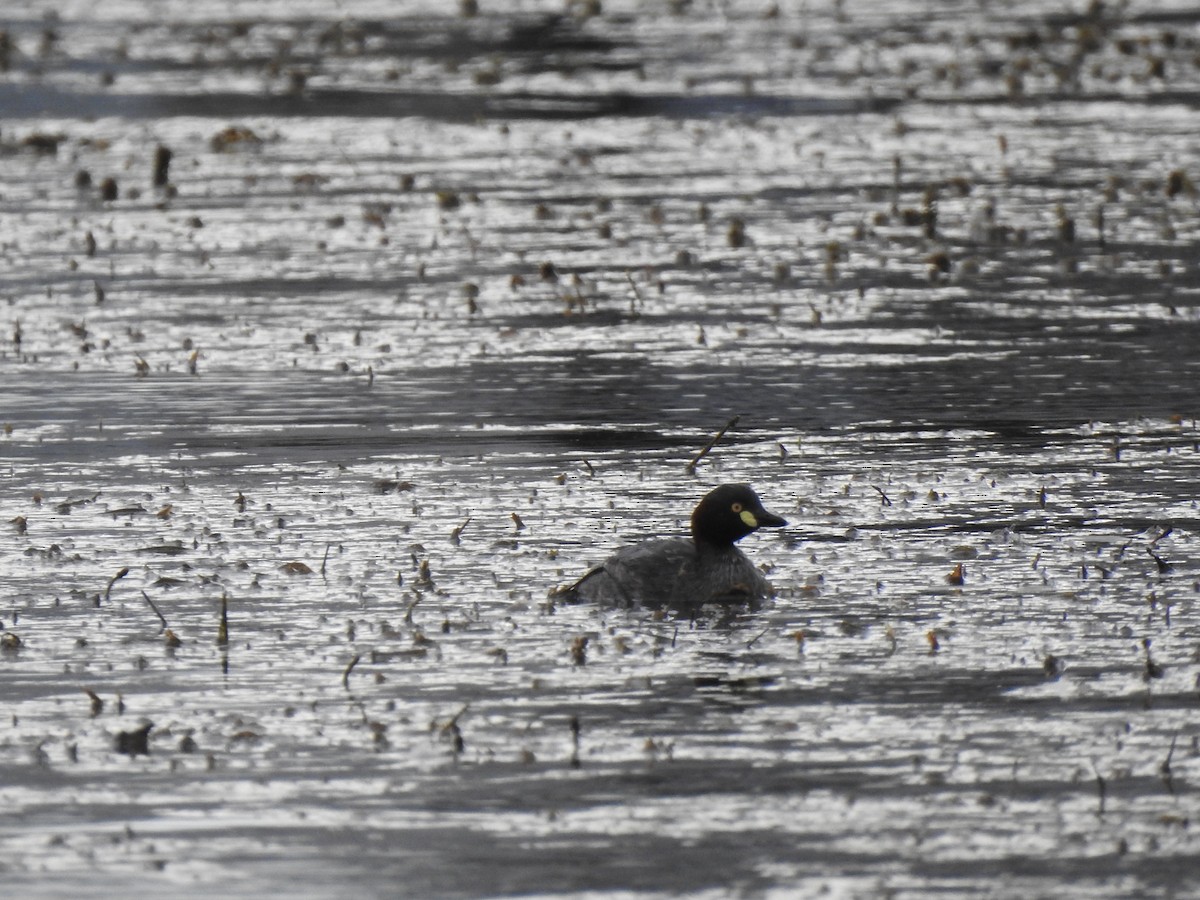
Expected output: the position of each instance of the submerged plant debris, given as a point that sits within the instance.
(334, 337)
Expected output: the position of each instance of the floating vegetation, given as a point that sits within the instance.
(234, 137)
(134, 742)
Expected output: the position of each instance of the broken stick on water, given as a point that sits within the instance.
(350, 668)
(223, 626)
(114, 580)
(691, 467)
(161, 618)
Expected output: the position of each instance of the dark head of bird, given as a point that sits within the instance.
(729, 513)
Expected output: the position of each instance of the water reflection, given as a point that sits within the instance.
(437, 320)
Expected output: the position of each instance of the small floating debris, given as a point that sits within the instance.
(695, 461)
(223, 624)
(1153, 669)
(245, 736)
(391, 486)
(576, 729)
(135, 742)
(130, 511)
(65, 508)
(1053, 666)
(170, 548)
(96, 701)
(579, 650)
(42, 143)
(296, 568)
(736, 235)
(1178, 183)
(120, 574)
(234, 137)
(162, 163)
(54, 551)
(354, 660)
(162, 619)
(1163, 566)
(452, 732)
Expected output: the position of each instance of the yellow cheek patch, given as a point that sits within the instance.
(748, 518)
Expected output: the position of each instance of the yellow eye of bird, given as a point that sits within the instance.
(737, 507)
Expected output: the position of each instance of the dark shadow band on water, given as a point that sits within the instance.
(19, 101)
(597, 401)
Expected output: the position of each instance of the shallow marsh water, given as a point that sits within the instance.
(467, 294)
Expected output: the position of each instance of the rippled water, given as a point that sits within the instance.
(432, 314)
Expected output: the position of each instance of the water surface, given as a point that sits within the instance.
(431, 314)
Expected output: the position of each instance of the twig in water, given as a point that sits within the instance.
(1153, 669)
(451, 730)
(884, 499)
(346, 157)
(472, 244)
(1102, 788)
(1165, 768)
(114, 580)
(349, 668)
(636, 293)
(409, 611)
(754, 640)
(453, 723)
(325, 558)
(691, 467)
(1163, 565)
(575, 742)
(1165, 534)
(223, 625)
(97, 703)
(161, 618)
